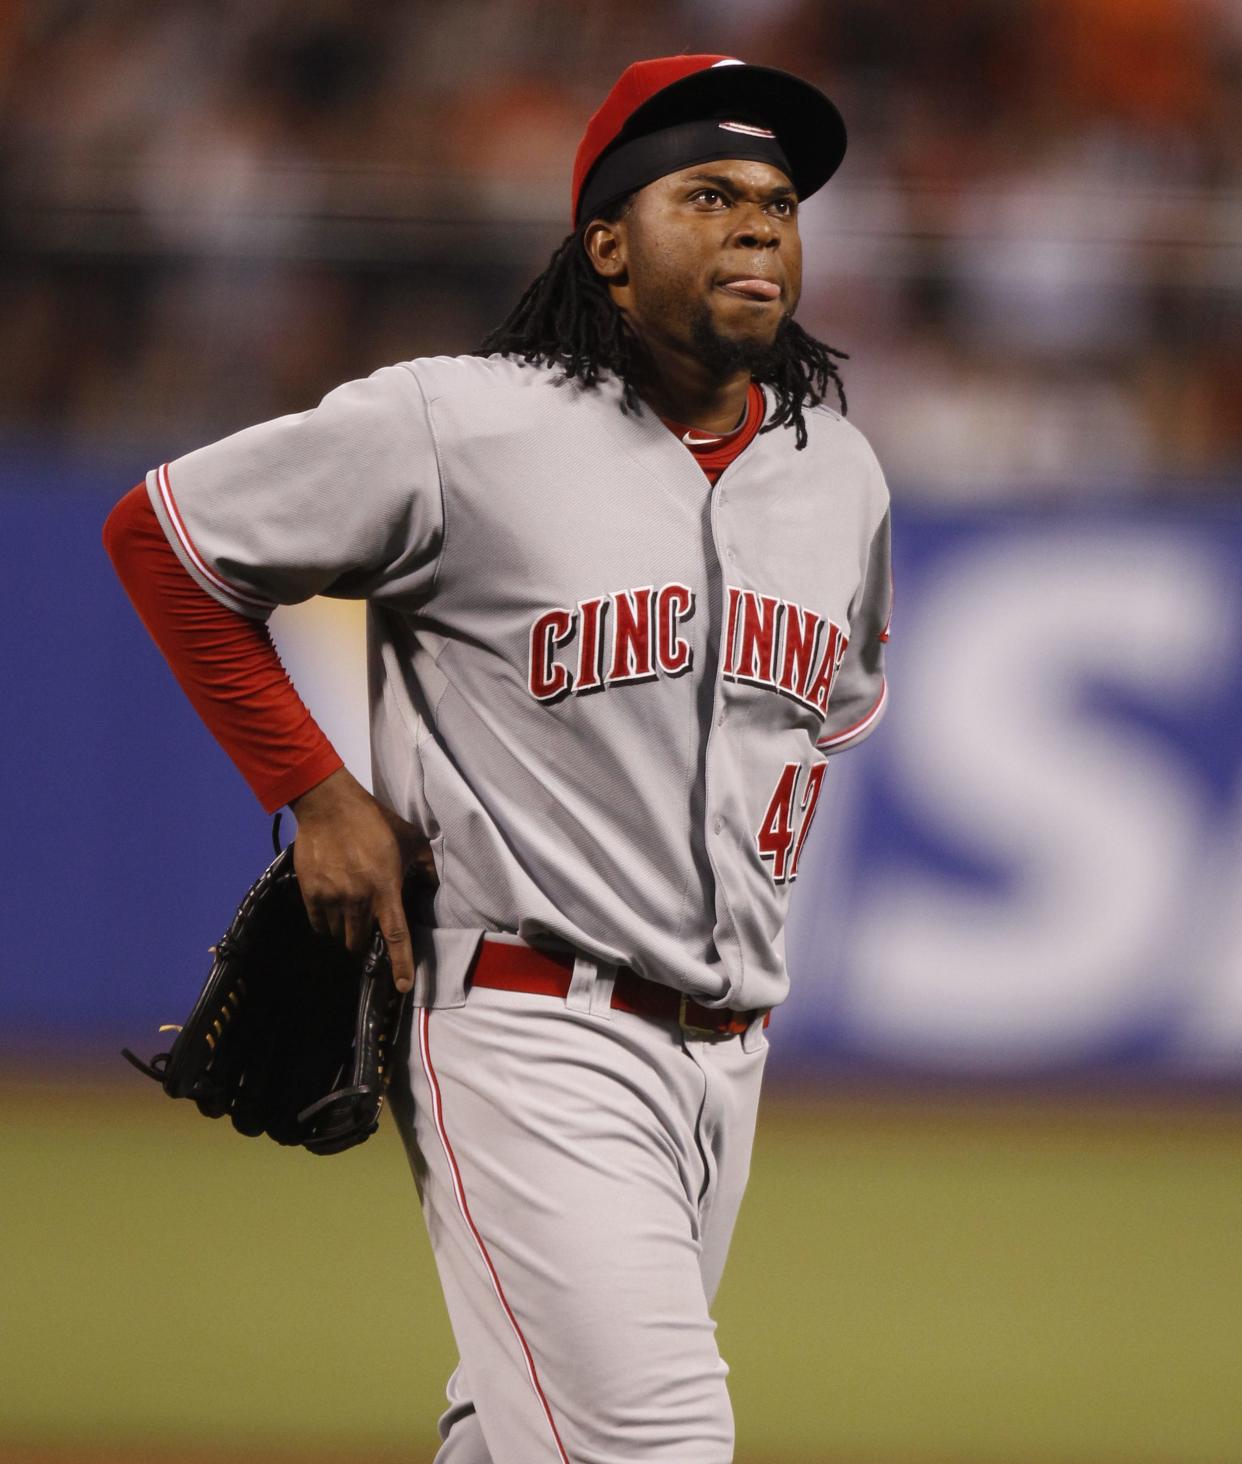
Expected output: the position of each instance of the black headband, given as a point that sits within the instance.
(632, 165)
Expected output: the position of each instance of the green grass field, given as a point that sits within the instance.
(913, 1282)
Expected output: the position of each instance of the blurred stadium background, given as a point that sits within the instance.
(997, 1205)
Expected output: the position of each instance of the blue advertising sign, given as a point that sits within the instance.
(1034, 863)
(1030, 868)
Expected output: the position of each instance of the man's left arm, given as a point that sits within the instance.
(860, 691)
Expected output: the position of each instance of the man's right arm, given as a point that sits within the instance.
(350, 852)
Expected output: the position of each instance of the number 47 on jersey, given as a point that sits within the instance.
(788, 819)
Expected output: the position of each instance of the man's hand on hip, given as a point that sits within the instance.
(351, 854)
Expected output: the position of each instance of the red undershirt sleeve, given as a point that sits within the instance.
(226, 663)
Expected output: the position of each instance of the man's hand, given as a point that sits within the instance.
(351, 854)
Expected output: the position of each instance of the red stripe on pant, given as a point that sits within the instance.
(459, 1191)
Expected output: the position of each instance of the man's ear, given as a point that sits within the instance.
(605, 245)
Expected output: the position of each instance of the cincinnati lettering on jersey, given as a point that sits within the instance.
(779, 645)
(610, 640)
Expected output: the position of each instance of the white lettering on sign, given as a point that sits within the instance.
(1076, 828)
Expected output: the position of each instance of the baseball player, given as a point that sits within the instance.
(627, 582)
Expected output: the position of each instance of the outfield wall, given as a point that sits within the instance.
(1031, 868)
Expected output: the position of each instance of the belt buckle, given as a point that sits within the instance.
(688, 1026)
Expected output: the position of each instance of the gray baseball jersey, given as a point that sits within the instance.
(605, 690)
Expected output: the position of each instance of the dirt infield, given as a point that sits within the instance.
(1098, 1105)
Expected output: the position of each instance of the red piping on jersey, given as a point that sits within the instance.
(174, 514)
(863, 722)
(225, 661)
(459, 1192)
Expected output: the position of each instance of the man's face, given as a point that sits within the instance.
(708, 260)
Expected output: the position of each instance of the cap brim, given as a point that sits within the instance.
(806, 123)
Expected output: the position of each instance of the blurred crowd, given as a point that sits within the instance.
(212, 211)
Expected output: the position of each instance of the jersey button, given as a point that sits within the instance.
(717, 825)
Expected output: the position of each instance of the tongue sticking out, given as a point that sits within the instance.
(753, 289)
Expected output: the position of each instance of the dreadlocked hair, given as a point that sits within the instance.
(566, 318)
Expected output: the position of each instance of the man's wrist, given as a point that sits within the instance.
(329, 792)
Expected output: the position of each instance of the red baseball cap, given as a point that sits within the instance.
(775, 117)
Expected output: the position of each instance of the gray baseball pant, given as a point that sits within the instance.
(580, 1172)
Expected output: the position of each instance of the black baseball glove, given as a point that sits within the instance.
(292, 1034)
